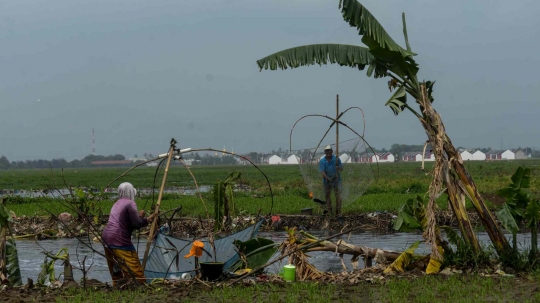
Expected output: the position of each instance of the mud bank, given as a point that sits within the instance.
(67, 227)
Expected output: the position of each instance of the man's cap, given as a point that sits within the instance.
(328, 147)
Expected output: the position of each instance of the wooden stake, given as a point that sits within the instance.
(338, 200)
(158, 203)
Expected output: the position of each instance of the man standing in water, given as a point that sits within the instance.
(330, 167)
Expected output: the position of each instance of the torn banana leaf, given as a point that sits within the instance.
(434, 265)
(404, 260)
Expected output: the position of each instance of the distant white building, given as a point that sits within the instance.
(466, 155)
(137, 159)
(345, 158)
(478, 156)
(292, 159)
(274, 160)
(428, 157)
(494, 155)
(412, 157)
(377, 157)
(508, 155)
(384, 157)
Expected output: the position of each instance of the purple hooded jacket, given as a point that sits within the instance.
(123, 219)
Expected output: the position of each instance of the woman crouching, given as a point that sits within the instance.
(122, 258)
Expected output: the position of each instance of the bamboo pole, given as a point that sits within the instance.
(158, 203)
(338, 196)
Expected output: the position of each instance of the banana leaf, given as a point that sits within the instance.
(257, 252)
(219, 202)
(507, 219)
(368, 26)
(404, 260)
(532, 214)
(47, 268)
(5, 215)
(379, 42)
(12, 263)
(343, 54)
(522, 178)
(232, 177)
(398, 100)
(434, 265)
(453, 236)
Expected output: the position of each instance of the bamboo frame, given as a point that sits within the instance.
(158, 203)
(338, 196)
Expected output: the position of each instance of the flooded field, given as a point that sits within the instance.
(31, 258)
(58, 193)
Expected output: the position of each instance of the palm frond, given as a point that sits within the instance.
(343, 54)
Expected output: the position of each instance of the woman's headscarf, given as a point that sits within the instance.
(127, 191)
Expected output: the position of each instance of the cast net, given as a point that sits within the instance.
(359, 166)
(356, 176)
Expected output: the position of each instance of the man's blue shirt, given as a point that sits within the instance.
(329, 167)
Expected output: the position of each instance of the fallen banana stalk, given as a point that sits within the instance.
(343, 248)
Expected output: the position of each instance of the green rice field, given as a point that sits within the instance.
(394, 184)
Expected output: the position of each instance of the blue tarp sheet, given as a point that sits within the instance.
(162, 262)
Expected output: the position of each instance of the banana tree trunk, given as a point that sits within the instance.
(3, 262)
(455, 201)
(534, 243)
(488, 220)
(432, 123)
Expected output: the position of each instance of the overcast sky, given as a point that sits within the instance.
(141, 72)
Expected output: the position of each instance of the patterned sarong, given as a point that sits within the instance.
(124, 264)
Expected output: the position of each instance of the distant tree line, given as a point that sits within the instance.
(56, 163)
(211, 159)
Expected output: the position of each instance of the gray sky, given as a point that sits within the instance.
(141, 72)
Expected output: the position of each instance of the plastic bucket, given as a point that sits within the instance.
(288, 273)
(211, 271)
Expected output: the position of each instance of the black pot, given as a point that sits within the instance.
(211, 271)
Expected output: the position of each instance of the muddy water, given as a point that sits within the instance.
(31, 258)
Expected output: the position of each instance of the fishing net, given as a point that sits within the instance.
(359, 163)
(356, 176)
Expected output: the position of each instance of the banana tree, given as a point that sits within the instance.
(517, 199)
(9, 257)
(520, 205)
(224, 201)
(386, 59)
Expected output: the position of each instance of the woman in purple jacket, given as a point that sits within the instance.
(121, 255)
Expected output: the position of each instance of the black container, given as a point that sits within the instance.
(211, 271)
